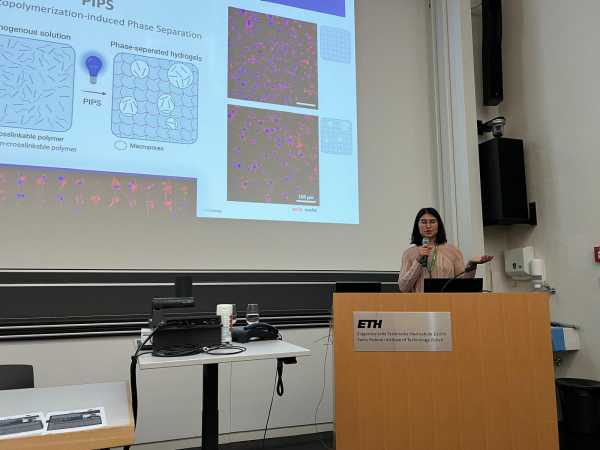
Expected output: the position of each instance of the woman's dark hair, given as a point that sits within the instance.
(417, 239)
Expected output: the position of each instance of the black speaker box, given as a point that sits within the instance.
(491, 57)
(503, 184)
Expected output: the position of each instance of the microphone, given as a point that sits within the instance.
(423, 259)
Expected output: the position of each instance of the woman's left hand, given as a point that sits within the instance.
(481, 259)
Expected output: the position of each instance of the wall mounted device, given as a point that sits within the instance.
(517, 263)
(537, 270)
(491, 52)
(494, 126)
(520, 264)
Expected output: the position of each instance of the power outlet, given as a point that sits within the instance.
(597, 255)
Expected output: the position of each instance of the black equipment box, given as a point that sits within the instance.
(503, 185)
(190, 330)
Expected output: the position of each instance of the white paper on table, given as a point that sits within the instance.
(38, 415)
(102, 415)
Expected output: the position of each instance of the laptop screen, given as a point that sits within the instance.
(453, 285)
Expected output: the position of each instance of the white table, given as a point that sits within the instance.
(114, 397)
(258, 350)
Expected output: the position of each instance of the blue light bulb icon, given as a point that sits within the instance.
(94, 66)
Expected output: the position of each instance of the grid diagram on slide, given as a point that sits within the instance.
(155, 99)
(336, 136)
(36, 84)
(273, 157)
(272, 59)
(335, 44)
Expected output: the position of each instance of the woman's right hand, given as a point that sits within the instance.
(425, 250)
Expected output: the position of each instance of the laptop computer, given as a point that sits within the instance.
(453, 285)
(357, 286)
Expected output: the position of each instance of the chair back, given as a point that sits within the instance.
(16, 377)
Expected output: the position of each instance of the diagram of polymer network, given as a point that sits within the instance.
(153, 99)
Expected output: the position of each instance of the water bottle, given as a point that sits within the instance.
(225, 311)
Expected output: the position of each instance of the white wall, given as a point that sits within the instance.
(551, 68)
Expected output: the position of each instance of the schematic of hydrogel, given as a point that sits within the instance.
(36, 84)
(155, 99)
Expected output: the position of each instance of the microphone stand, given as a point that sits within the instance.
(447, 283)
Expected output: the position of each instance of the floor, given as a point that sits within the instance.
(319, 441)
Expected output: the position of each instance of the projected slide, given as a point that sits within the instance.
(253, 100)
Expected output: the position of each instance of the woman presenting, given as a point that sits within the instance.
(431, 256)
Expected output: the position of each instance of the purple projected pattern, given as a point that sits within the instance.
(335, 7)
(272, 157)
(272, 59)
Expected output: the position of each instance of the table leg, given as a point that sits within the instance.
(210, 407)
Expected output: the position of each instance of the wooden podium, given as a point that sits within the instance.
(493, 391)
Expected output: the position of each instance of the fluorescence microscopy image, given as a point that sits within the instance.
(36, 84)
(155, 99)
(272, 59)
(272, 156)
(101, 195)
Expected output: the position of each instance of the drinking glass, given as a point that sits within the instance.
(233, 314)
(252, 314)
